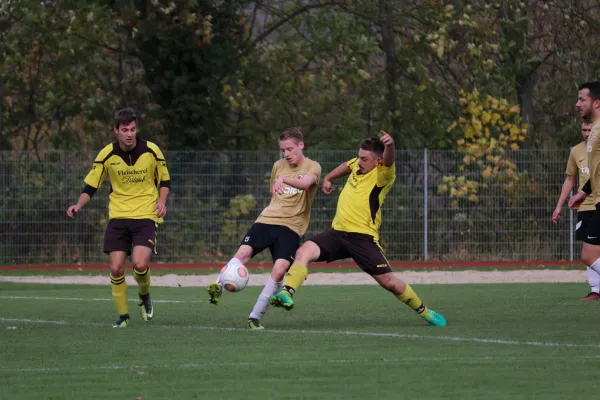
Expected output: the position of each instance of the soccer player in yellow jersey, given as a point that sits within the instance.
(588, 105)
(355, 227)
(140, 184)
(294, 182)
(578, 166)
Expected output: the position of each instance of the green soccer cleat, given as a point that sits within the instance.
(146, 308)
(253, 323)
(282, 299)
(214, 293)
(434, 318)
(122, 322)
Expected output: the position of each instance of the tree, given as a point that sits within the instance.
(58, 75)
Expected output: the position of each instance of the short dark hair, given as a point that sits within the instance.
(374, 145)
(125, 116)
(292, 133)
(593, 87)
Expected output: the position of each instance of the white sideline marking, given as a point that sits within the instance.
(87, 299)
(328, 332)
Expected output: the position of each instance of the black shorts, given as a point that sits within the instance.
(593, 228)
(366, 252)
(124, 234)
(281, 241)
(583, 222)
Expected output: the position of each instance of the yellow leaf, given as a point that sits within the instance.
(469, 132)
(476, 125)
(485, 117)
(364, 74)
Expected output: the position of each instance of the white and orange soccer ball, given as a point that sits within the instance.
(234, 277)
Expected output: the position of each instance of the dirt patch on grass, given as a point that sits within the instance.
(320, 278)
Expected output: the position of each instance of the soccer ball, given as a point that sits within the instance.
(234, 277)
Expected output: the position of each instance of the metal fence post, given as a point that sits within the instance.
(425, 205)
(571, 242)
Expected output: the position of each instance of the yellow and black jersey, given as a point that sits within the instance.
(134, 176)
(359, 204)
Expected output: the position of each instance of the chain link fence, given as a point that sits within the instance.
(216, 196)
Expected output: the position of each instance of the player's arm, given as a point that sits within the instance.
(303, 183)
(164, 185)
(564, 193)
(339, 171)
(386, 174)
(274, 190)
(576, 200)
(93, 180)
(84, 197)
(389, 152)
(161, 205)
(308, 180)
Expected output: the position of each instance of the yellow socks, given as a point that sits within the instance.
(410, 298)
(294, 278)
(119, 293)
(143, 281)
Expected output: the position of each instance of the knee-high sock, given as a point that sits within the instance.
(294, 278)
(410, 298)
(596, 266)
(593, 280)
(143, 281)
(119, 294)
(260, 308)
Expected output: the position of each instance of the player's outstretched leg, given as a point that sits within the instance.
(296, 275)
(282, 299)
(292, 281)
(410, 298)
(405, 293)
(434, 318)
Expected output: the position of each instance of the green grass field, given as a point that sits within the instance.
(517, 341)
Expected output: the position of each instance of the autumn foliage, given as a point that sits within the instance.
(491, 128)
